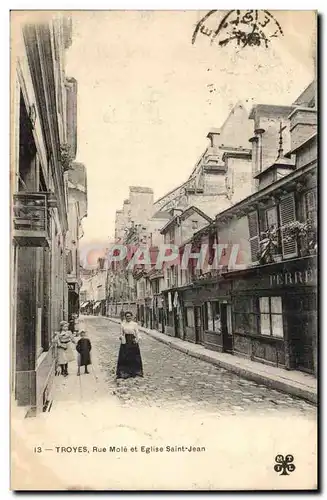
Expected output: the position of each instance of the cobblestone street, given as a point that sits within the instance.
(174, 379)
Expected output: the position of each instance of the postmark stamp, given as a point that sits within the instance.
(241, 28)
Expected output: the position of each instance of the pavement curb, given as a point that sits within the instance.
(270, 382)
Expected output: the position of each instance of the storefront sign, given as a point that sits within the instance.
(305, 277)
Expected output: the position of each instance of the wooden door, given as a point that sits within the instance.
(226, 334)
(198, 325)
(301, 326)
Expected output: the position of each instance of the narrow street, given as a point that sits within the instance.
(174, 379)
(170, 182)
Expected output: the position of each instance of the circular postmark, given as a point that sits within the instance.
(253, 28)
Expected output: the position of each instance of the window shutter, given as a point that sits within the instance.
(311, 204)
(254, 235)
(287, 215)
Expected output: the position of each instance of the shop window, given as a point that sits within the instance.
(212, 316)
(189, 317)
(271, 316)
(245, 316)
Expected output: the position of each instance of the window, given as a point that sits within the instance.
(271, 218)
(212, 317)
(169, 284)
(155, 286)
(245, 317)
(141, 289)
(195, 224)
(271, 316)
(311, 205)
(171, 237)
(189, 317)
(175, 275)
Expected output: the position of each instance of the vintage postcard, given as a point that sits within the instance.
(164, 250)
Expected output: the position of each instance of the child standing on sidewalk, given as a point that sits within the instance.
(64, 342)
(83, 348)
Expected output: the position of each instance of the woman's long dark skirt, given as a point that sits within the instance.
(129, 361)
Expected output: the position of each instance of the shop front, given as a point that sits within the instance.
(148, 312)
(207, 315)
(174, 324)
(275, 314)
(97, 308)
(158, 313)
(140, 315)
(73, 299)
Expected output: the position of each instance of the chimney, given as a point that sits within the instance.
(303, 124)
(213, 135)
(175, 211)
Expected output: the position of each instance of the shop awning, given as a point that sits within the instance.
(96, 305)
(84, 304)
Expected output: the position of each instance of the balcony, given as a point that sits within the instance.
(295, 239)
(31, 220)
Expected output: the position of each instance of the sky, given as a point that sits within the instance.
(147, 96)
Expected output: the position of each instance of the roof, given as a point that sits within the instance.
(161, 215)
(184, 216)
(200, 232)
(266, 108)
(285, 163)
(213, 131)
(308, 96)
(140, 189)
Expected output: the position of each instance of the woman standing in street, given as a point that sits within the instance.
(64, 343)
(129, 358)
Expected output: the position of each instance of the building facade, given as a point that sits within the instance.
(261, 303)
(77, 210)
(222, 176)
(41, 156)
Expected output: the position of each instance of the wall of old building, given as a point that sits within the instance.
(267, 120)
(39, 307)
(235, 232)
(141, 203)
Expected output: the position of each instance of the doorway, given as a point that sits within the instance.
(225, 318)
(198, 325)
(176, 323)
(303, 326)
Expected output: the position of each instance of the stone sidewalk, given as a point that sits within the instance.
(296, 383)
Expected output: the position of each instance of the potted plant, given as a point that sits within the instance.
(269, 246)
(304, 233)
(66, 157)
